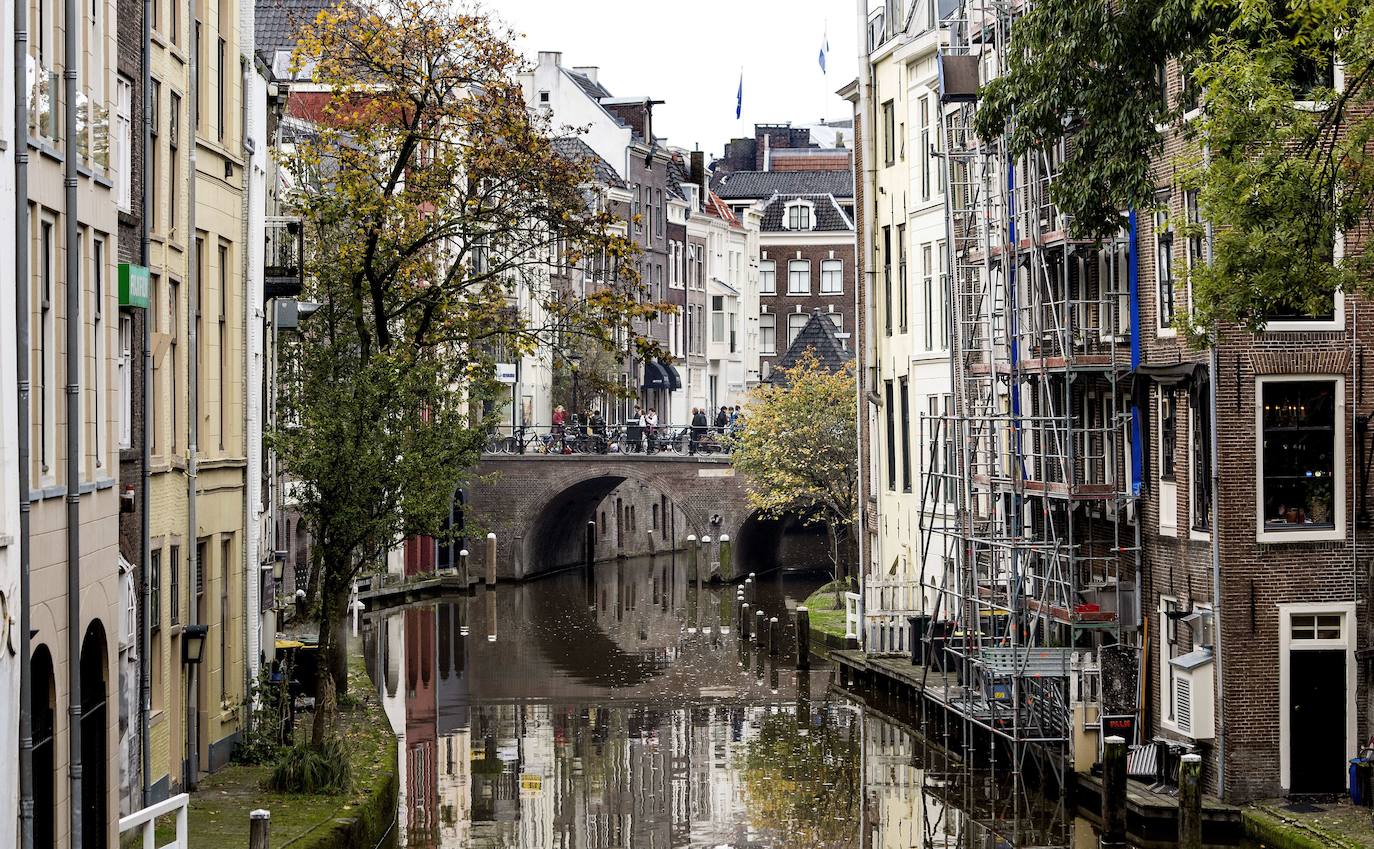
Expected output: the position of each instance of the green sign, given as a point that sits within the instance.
(133, 286)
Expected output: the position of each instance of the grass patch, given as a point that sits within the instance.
(824, 614)
(218, 816)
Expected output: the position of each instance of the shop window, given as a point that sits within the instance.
(1298, 454)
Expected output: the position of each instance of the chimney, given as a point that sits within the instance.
(767, 153)
(551, 57)
(587, 71)
(698, 173)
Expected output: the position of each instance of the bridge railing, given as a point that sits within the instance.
(143, 824)
(569, 439)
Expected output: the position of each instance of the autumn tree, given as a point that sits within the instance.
(1282, 160)
(431, 199)
(799, 451)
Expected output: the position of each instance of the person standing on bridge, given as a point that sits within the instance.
(634, 430)
(698, 429)
(722, 419)
(651, 428)
(599, 432)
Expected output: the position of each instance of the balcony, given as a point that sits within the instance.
(284, 259)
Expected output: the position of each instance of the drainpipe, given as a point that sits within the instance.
(863, 247)
(73, 366)
(21, 367)
(145, 707)
(193, 394)
(1216, 572)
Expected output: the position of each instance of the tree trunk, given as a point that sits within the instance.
(331, 677)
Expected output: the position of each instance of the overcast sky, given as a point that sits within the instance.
(689, 54)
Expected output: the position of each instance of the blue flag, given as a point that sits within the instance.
(825, 48)
(739, 96)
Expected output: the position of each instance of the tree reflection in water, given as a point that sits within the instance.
(801, 778)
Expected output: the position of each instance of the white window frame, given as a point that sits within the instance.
(768, 277)
(1168, 487)
(797, 206)
(768, 341)
(126, 383)
(1162, 233)
(832, 276)
(791, 333)
(1338, 490)
(795, 267)
(123, 143)
(1286, 647)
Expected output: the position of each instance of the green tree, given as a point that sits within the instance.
(799, 451)
(432, 198)
(1287, 162)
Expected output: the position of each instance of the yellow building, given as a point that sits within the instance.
(196, 499)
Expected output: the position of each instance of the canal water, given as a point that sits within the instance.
(618, 708)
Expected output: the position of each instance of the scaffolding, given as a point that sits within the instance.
(1030, 492)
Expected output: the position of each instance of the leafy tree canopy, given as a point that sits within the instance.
(1282, 161)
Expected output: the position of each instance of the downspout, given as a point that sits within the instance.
(72, 280)
(145, 707)
(21, 368)
(192, 395)
(864, 248)
(1216, 572)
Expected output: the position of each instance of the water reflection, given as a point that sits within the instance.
(618, 708)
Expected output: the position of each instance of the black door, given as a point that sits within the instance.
(1316, 721)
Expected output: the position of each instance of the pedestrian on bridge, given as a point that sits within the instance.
(722, 419)
(699, 425)
(634, 430)
(651, 428)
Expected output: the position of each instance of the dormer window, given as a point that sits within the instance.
(799, 216)
(543, 97)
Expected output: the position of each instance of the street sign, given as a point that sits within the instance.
(133, 286)
(505, 372)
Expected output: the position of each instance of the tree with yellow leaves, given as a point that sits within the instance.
(799, 450)
(432, 199)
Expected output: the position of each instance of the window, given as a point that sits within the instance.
(925, 146)
(1200, 476)
(768, 277)
(799, 216)
(126, 387)
(173, 142)
(906, 436)
(225, 557)
(889, 134)
(46, 116)
(223, 340)
(174, 355)
(1316, 626)
(1164, 268)
(832, 276)
(155, 589)
(221, 90)
(799, 277)
(901, 279)
(927, 295)
(98, 414)
(150, 169)
(836, 319)
(1299, 453)
(658, 205)
(768, 333)
(123, 144)
(946, 296)
(47, 349)
(717, 318)
(887, 280)
(176, 22)
(1168, 433)
(890, 407)
(795, 322)
(92, 103)
(174, 598)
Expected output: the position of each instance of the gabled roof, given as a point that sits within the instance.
(574, 148)
(276, 22)
(677, 175)
(828, 217)
(818, 335)
(758, 185)
(720, 209)
(594, 90)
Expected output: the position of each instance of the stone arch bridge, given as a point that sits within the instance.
(538, 505)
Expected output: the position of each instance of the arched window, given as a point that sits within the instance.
(43, 713)
(95, 760)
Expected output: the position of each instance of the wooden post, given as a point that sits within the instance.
(491, 560)
(706, 565)
(692, 568)
(803, 638)
(1114, 792)
(745, 620)
(760, 627)
(1190, 803)
(589, 545)
(727, 567)
(774, 637)
(259, 824)
(463, 577)
(491, 614)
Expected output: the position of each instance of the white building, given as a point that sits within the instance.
(906, 359)
(9, 438)
(732, 303)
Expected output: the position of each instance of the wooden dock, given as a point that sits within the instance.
(1152, 817)
(401, 592)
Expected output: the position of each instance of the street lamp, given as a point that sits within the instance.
(574, 363)
(193, 644)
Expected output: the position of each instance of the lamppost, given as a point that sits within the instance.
(192, 652)
(574, 363)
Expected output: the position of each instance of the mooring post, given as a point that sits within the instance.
(463, 577)
(491, 560)
(259, 824)
(727, 567)
(1190, 802)
(692, 568)
(760, 627)
(1114, 791)
(753, 583)
(803, 619)
(491, 614)
(745, 620)
(706, 564)
(774, 637)
(589, 545)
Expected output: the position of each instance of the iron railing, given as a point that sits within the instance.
(573, 439)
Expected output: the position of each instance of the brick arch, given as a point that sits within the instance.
(538, 505)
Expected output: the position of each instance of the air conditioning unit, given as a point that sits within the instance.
(1194, 694)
